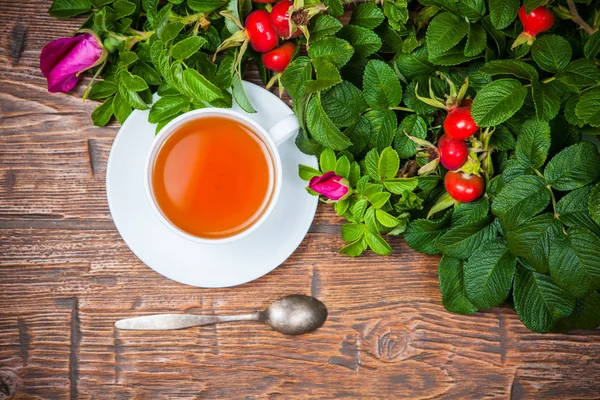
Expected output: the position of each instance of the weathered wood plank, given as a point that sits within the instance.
(66, 277)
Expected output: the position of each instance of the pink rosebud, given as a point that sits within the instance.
(63, 60)
(330, 185)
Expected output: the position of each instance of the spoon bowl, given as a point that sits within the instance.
(295, 314)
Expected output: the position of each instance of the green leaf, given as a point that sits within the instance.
(489, 274)
(127, 58)
(454, 56)
(467, 213)
(470, 9)
(166, 107)
(452, 287)
(517, 68)
(502, 139)
(171, 30)
(149, 5)
(377, 243)
(295, 76)
(575, 262)
(385, 219)
(522, 198)
(364, 41)
(341, 206)
(103, 113)
(334, 50)
(422, 234)
(69, 8)
(343, 104)
(413, 125)
(132, 82)
(383, 128)
(497, 102)
(503, 12)
(355, 249)
(123, 8)
(327, 76)
(306, 173)
(372, 164)
(533, 143)
(199, 87)
(327, 160)
(239, 94)
(539, 303)
(147, 73)
(396, 12)
(322, 129)
(324, 25)
(414, 64)
(476, 39)
(461, 241)
(531, 4)
(342, 167)
(588, 107)
(358, 210)
(551, 52)
(585, 316)
(160, 20)
(187, 47)
(401, 185)
(581, 72)
(444, 32)
(132, 97)
(389, 163)
(573, 209)
(532, 240)
(205, 5)
(378, 200)
(594, 204)
(334, 7)
(381, 86)
(574, 167)
(353, 232)
(102, 90)
(121, 108)
(592, 46)
(367, 15)
(547, 104)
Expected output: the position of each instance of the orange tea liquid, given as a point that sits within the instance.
(213, 177)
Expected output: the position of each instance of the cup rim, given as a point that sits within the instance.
(170, 128)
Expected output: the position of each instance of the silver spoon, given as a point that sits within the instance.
(291, 315)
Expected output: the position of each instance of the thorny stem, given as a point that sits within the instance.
(578, 20)
(402, 109)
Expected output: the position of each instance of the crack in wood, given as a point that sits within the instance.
(17, 42)
(74, 348)
(24, 339)
(59, 224)
(11, 180)
(93, 155)
(315, 283)
(333, 229)
(118, 349)
(502, 337)
(350, 351)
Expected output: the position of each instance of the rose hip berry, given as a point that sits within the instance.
(278, 59)
(540, 19)
(453, 153)
(464, 187)
(459, 124)
(280, 19)
(261, 34)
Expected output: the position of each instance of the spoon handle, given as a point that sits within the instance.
(165, 322)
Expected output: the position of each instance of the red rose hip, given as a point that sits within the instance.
(459, 124)
(464, 187)
(279, 58)
(540, 19)
(261, 34)
(280, 19)
(453, 153)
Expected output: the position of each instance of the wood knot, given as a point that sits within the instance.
(17, 43)
(8, 384)
(390, 346)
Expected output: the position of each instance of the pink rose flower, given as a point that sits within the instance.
(330, 185)
(63, 60)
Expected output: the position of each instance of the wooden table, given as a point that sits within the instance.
(66, 276)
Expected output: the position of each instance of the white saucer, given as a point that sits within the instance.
(196, 264)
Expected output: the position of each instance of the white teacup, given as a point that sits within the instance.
(280, 132)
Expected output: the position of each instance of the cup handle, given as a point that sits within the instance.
(284, 129)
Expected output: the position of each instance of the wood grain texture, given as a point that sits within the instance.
(66, 276)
